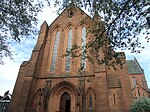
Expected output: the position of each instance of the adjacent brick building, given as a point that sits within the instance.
(50, 83)
(137, 79)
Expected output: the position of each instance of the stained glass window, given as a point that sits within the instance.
(54, 56)
(69, 45)
(83, 63)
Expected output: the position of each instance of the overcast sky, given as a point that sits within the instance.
(9, 71)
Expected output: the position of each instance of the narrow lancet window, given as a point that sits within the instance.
(54, 56)
(139, 93)
(114, 98)
(90, 104)
(69, 45)
(133, 82)
(90, 99)
(83, 62)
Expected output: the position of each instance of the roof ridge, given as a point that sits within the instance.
(141, 69)
(134, 68)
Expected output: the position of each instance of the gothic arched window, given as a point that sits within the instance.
(133, 82)
(114, 98)
(139, 92)
(54, 56)
(69, 45)
(90, 100)
(83, 62)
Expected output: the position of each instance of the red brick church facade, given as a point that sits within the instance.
(50, 83)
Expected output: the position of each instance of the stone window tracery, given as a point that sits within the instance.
(83, 62)
(54, 56)
(69, 45)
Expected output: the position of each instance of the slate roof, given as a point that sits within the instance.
(134, 67)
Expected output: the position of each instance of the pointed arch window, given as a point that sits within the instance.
(54, 56)
(139, 93)
(90, 100)
(90, 104)
(133, 82)
(69, 45)
(114, 98)
(83, 62)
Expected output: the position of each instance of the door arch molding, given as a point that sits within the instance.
(57, 92)
(64, 84)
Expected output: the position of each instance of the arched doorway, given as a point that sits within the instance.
(65, 102)
(63, 98)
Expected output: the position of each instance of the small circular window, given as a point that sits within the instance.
(71, 13)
